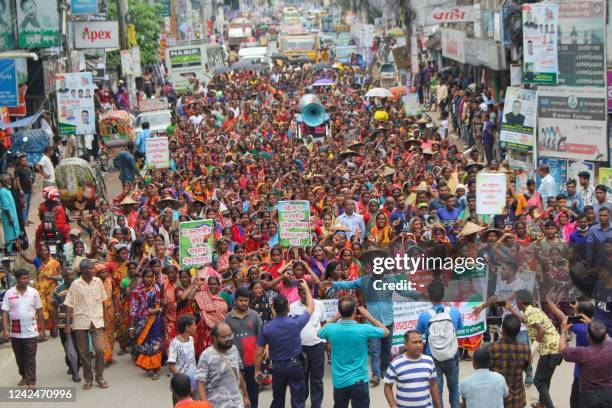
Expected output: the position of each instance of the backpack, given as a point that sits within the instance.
(442, 339)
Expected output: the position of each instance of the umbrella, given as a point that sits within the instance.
(321, 66)
(324, 82)
(221, 70)
(378, 93)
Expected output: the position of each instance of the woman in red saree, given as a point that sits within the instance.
(110, 306)
(212, 309)
(169, 281)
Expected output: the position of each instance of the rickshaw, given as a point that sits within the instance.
(81, 186)
(117, 128)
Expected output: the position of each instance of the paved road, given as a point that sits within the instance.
(131, 387)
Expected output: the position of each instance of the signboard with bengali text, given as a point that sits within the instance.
(490, 193)
(196, 243)
(294, 224)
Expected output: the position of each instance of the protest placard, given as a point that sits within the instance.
(196, 243)
(157, 153)
(490, 193)
(294, 223)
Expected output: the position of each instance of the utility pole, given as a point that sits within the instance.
(124, 17)
(62, 8)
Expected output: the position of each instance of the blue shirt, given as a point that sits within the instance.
(283, 336)
(483, 389)
(141, 141)
(353, 222)
(582, 340)
(413, 379)
(577, 198)
(399, 215)
(424, 317)
(349, 344)
(448, 217)
(126, 164)
(577, 238)
(380, 302)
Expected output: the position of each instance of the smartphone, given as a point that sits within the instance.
(293, 283)
(559, 263)
(574, 319)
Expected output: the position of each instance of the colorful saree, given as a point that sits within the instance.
(148, 329)
(123, 323)
(45, 287)
(213, 309)
(109, 321)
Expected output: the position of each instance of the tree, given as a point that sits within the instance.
(147, 21)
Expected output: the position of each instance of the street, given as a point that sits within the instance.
(130, 386)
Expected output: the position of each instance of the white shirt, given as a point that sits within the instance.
(22, 312)
(309, 332)
(182, 353)
(548, 188)
(47, 167)
(196, 120)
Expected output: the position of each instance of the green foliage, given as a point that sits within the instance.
(147, 21)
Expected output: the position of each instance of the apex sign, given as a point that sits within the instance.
(96, 34)
(439, 15)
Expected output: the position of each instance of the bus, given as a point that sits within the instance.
(295, 41)
(291, 15)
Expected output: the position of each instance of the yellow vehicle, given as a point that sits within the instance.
(291, 15)
(296, 43)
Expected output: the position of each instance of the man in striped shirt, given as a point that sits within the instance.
(415, 376)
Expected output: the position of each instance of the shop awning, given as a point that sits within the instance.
(27, 121)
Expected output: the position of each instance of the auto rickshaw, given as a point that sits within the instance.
(117, 128)
(81, 186)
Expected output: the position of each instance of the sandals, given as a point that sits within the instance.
(87, 386)
(102, 383)
(22, 383)
(528, 380)
(155, 376)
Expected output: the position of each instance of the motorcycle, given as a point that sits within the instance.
(51, 236)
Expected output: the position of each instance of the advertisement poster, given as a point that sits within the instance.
(7, 39)
(294, 223)
(516, 75)
(21, 64)
(565, 116)
(540, 65)
(490, 193)
(8, 83)
(518, 122)
(38, 25)
(558, 169)
(157, 153)
(605, 178)
(453, 44)
(84, 6)
(95, 62)
(196, 243)
(582, 47)
(411, 104)
(406, 315)
(126, 62)
(573, 168)
(75, 102)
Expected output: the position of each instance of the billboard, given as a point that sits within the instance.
(96, 34)
(572, 123)
(582, 47)
(38, 24)
(7, 39)
(540, 64)
(75, 103)
(8, 83)
(453, 44)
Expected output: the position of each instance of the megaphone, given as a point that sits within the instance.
(312, 110)
(432, 220)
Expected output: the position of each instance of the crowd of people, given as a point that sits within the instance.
(383, 183)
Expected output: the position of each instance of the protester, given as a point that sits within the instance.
(180, 385)
(21, 317)
(246, 325)
(439, 326)
(181, 353)
(85, 315)
(10, 219)
(59, 321)
(594, 360)
(349, 342)
(313, 347)
(415, 376)
(220, 381)
(483, 388)
(510, 358)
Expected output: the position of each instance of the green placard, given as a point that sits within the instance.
(189, 57)
(196, 243)
(294, 224)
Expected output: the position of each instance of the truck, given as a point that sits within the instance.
(239, 30)
(254, 54)
(193, 61)
(295, 41)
